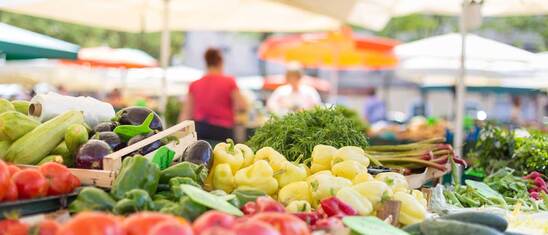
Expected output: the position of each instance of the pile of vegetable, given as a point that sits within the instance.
(340, 172)
(66, 139)
(497, 148)
(432, 153)
(49, 179)
(502, 190)
(297, 133)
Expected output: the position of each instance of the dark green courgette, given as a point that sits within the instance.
(481, 218)
(452, 227)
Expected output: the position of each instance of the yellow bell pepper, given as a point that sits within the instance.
(411, 210)
(247, 154)
(375, 191)
(350, 153)
(321, 158)
(274, 158)
(223, 178)
(298, 206)
(354, 199)
(362, 177)
(296, 191)
(227, 153)
(348, 169)
(394, 180)
(324, 185)
(420, 197)
(259, 176)
(290, 172)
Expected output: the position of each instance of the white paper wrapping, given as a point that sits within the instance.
(53, 104)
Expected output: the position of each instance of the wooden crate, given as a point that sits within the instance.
(184, 131)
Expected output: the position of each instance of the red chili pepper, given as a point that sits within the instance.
(309, 217)
(250, 208)
(332, 206)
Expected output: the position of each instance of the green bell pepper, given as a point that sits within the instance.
(198, 173)
(159, 204)
(168, 195)
(191, 210)
(175, 182)
(137, 173)
(135, 200)
(92, 199)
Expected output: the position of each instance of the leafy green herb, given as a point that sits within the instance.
(494, 148)
(531, 154)
(298, 133)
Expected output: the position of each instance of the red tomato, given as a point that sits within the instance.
(13, 169)
(48, 227)
(254, 227)
(286, 224)
(93, 223)
(143, 222)
(13, 227)
(74, 181)
(217, 231)
(30, 183)
(11, 194)
(59, 178)
(213, 219)
(170, 228)
(4, 179)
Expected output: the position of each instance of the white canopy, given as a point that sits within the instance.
(375, 14)
(147, 80)
(434, 62)
(184, 15)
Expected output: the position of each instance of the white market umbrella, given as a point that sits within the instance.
(148, 80)
(168, 15)
(485, 57)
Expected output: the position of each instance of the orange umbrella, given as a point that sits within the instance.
(114, 57)
(338, 50)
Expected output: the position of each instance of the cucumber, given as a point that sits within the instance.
(451, 227)
(75, 136)
(51, 158)
(512, 233)
(61, 149)
(38, 143)
(14, 125)
(21, 106)
(481, 218)
(4, 145)
(413, 229)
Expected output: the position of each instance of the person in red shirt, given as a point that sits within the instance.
(213, 100)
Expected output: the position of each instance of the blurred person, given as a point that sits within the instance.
(213, 100)
(116, 99)
(374, 108)
(293, 96)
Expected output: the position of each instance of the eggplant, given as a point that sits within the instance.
(147, 148)
(105, 126)
(136, 115)
(200, 153)
(91, 154)
(112, 139)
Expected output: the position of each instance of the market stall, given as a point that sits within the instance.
(311, 171)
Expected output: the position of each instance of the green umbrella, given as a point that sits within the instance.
(19, 44)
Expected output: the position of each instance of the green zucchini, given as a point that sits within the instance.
(75, 136)
(5, 106)
(14, 125)
(51, 158)
(38, 143)
(512, 233)
(413, 229)
(4, 145)
(481, 218)
(61, 149)
(21, 106)
(451, 227)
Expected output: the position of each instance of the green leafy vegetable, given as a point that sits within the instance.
(297, 133)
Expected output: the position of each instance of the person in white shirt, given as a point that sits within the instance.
(294, 96)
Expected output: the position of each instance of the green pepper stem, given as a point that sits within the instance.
(230, 143)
